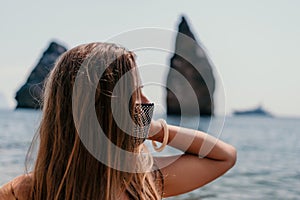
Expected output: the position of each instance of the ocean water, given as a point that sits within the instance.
(268, 164)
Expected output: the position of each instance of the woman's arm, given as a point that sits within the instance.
(205, 158)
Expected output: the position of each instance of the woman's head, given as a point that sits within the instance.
(87, 125)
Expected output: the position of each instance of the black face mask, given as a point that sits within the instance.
(142, 118)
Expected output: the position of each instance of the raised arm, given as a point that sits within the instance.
(205, 158)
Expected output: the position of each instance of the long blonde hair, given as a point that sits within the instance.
(65, 167)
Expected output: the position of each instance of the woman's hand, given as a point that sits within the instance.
(155, 131)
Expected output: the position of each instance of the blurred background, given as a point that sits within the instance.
(253, 44)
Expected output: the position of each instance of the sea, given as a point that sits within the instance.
(267, 167)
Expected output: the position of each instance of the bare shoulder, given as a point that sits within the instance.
(18, 188)
(6, 191)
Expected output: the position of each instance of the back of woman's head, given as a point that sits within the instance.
(87, 150)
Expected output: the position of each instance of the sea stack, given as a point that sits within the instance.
(191, 63)
(29, 95)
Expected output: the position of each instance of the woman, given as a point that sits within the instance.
(78, 160)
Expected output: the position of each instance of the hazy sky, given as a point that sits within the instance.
(253, 44)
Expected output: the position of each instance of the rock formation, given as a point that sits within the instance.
(29, 95)
(191, 63)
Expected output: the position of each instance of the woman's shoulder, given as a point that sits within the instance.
(18, 188)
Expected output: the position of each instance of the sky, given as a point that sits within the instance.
(254, 44)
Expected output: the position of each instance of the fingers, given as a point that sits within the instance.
(155, 130)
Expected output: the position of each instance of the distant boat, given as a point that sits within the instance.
(256, 111)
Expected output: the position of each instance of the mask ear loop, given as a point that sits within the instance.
(166, 137)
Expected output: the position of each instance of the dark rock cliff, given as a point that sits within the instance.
(29, 95)
(191, 63)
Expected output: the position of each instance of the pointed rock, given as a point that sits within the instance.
(185, 29)
(29, 95)
(190, 78)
